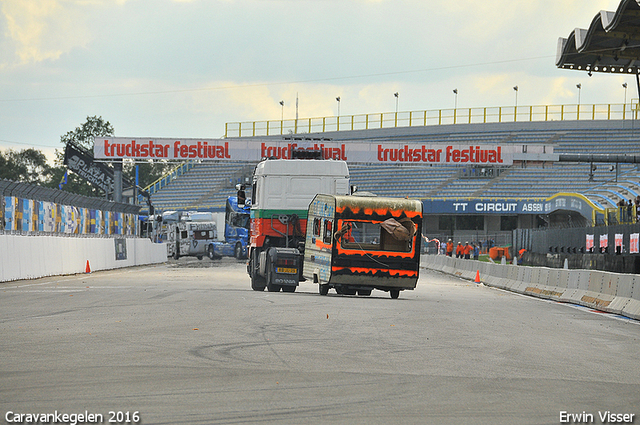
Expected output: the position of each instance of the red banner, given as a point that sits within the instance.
(356, 151)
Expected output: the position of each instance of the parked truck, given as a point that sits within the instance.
(281, 193)
(236, 231)
(186, 233)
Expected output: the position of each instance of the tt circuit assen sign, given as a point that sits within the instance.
(559, 202)
(252, 150)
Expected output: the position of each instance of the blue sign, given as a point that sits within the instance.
(484, 206)
(466, 206)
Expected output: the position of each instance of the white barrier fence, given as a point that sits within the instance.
(30, 257)
(605, 291)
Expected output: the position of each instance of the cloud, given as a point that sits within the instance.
(40, 30)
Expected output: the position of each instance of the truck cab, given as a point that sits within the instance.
(236, 232)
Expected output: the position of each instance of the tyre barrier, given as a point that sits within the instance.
(32, 257)
(605, 291)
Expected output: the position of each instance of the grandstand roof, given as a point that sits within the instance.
(611, 44)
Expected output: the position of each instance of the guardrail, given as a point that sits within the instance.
(500, 114)
(611, 292)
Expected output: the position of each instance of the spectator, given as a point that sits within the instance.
(521, 255)
(476, 251)
(622, 211)
(467, 250)
(638, 209)
(242, 196)
(449, 248)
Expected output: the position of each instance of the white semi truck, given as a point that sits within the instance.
(281, 193)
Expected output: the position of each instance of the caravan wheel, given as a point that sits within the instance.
(323, 289)
(395, 293)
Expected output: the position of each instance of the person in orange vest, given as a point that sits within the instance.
(459, 250)
(467, 250)
(450, 248)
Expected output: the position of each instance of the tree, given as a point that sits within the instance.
(83, 135)
(148, 172)
(28, 166)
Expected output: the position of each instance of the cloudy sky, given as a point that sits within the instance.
(184, 68)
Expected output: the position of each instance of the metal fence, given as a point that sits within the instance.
(31, 210)
(578, 240)
(498, 114)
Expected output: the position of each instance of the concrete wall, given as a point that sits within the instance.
(30, 257)
(605, 291)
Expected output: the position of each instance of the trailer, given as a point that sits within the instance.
(355, 244)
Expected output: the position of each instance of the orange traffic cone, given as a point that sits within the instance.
(87, 269)
(477, 277)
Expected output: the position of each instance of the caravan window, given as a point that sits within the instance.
(328, 231)
(370, 236)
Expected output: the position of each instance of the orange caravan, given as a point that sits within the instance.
(355, 244)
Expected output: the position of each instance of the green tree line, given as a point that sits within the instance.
(31, 166)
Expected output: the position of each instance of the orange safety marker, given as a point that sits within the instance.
(87, 269)
(477, 277)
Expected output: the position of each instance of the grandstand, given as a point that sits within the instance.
(207, 184)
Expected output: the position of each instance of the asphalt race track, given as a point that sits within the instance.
(189, 342)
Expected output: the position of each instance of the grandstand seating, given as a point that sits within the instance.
(207, 184)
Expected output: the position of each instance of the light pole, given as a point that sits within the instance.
(396, 116)
(624, 105)
(515, 109)
(579, 86)
(282, 110)
(455, 102)
(338, 100)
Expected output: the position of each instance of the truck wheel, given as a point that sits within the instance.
(258, 283)
(395, 293)
(237, 252)
(288, 289)
(210, 253)
(271, 287)
(323, 289)
(199, 257)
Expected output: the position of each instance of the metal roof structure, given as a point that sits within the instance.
(611, 44)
